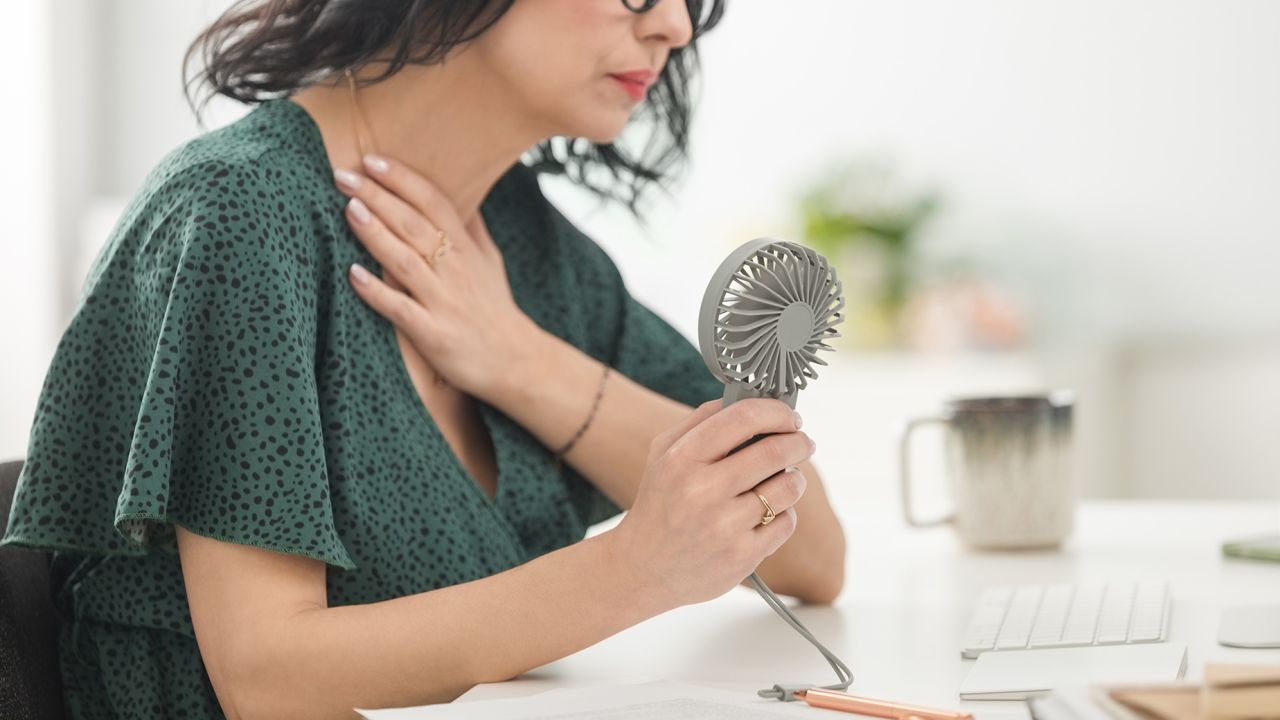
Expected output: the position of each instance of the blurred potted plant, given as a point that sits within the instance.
(858, 218)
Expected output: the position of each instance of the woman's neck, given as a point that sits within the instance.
(452, 128)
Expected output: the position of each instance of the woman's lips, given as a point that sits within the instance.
(635, 89)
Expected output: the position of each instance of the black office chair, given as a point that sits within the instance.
(30, 682)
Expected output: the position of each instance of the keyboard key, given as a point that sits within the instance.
(986, 621)
(1150, 613)
(1082, 620)
(1016, 630)
(1113, 621)
(1052, 617)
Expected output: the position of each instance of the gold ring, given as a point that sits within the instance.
(768, 511)
(445, 244)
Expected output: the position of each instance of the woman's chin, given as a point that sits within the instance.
(602, 126)
(605, 133)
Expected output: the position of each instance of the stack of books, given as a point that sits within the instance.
(1228, 692)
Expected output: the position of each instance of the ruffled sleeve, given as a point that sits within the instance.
(184, 392)
(636, 342)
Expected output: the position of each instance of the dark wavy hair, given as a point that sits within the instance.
(262, 49)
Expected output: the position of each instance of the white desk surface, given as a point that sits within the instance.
(908, 596)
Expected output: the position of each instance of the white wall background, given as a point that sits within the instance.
(1118, 164)
(28, 251)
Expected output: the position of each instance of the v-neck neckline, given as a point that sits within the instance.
(387, 329)
(501, 478)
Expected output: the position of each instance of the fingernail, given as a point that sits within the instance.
(347, 179)
(799, 420)
(359, 273)
(812, 445)
(359, 210)
(376, 164)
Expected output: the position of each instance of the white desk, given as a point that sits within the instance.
(908, 596)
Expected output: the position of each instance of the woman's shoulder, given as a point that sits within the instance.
(270, 152)
(247, 192)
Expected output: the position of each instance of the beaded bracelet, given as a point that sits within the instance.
(590, 416)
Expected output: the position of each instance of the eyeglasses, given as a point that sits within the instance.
(699, 10)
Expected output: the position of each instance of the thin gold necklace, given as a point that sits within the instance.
(361, 127)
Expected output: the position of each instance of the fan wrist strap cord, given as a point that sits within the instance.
(590, 416)
(786, 693)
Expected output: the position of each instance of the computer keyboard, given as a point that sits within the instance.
(1055, 616)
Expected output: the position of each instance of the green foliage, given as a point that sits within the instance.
(855, 206)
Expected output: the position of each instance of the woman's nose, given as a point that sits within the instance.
(668, 21)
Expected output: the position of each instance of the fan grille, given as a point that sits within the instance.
(773, 316)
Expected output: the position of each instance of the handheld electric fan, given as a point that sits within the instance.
(764, 317)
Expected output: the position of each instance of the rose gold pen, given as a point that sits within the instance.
(833, 700)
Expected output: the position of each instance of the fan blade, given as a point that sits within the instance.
(780, 282)
(746, 341)
(811, 356)
(751, 353)
(785, 272)
(830, 323)
(821, 280)
(739, 310)
(751, 325)
(755, 298)
(765, 286)
(838, 300)
(781, 376)
(802, 272)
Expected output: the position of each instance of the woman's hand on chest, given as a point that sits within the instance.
(444, 283)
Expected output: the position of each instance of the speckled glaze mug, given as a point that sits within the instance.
(1009, 470)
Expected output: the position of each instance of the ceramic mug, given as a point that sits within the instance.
(1008, 467)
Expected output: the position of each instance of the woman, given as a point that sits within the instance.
(278, 486)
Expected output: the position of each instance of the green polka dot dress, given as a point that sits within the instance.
(220, 373)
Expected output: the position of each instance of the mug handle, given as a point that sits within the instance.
(904, 471)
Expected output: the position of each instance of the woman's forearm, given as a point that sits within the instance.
(432, 647)
(552, 395)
